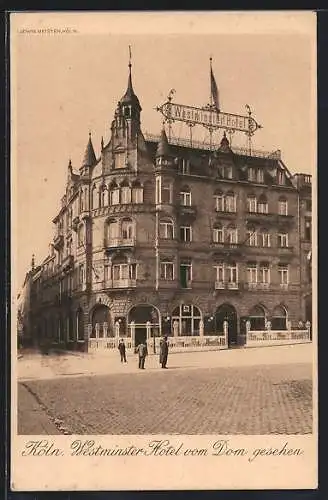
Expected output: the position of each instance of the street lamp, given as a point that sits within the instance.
(154, 318)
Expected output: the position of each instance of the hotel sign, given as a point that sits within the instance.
(206, 117)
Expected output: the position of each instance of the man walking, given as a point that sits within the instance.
(121, 348)
(164, 351)
(142, 353)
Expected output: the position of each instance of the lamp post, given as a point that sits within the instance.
(153, 318)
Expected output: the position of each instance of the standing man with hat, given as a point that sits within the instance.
(164, 351)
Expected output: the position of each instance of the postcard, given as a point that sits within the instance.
(164, 236)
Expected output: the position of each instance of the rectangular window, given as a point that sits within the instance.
(137, 195)
(232, 235)
(219, 269)
(283, 272)
(252, 273)
(252, 238)
(264, 274)
(218, 236)
(308, 230)
(184, 166)
(81, 274)
(281, 177)
(265, 239)
(115, 197)
(251, 204)
(158, 190)
(219, 203)
(283, 240)
(185, 274)
(185, 199)
(166, 230)
(186, 233)
(166, 193)
(251, 174)
(283, 207)
(232, 273)
(167, 271)
(308, 205)
(260, 175)
(125, 195)
(230, 203)
(120, 160)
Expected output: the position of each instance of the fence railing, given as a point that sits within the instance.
(271, 337)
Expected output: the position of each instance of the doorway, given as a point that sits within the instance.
(227, 312)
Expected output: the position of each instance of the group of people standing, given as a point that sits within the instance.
(142, 351)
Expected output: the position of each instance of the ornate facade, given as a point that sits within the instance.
(161, 236)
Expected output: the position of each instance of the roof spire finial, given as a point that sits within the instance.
(33, 262)
(130, 57)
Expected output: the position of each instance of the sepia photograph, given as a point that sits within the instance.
(163, 231)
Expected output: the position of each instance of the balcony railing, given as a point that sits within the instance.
(226, 285)
(257, 286)
(122, 283)
(120, 242)
(187, 210)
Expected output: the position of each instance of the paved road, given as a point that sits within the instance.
(261, 399)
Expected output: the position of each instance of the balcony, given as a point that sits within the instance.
(58, 241)
(234, 248)
(121, 284)
(187, 210)
(226, 285)
(258, 286)
(119, 243)
(68, 263)
(266, 218)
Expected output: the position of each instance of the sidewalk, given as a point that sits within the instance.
(37, 366)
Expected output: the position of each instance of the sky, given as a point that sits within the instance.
(65, 85)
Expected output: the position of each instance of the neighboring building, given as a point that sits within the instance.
(156, 232)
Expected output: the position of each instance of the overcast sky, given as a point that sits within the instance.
(65, 85)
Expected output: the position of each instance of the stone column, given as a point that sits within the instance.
(225, 331)
(175, 328)
(97, 329)
(148, 328)
(105, 328)
(132, 333)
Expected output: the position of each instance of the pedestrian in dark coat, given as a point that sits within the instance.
(142, 353)
(121, 348)
(164, 351)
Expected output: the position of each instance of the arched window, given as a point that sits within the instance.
(114, 194)
(251, 203)
(230, 202)
(125, 193)
(95, 197)
(262, 205)
(137, 192)
(103, 196)
(283, 206)
(185, 196)
(218, 233)
(232, 234)
(279, 318)
(257, 318)
(219, 201)
(186, 320)
(127, 229)
(81, 235)
(166, 229)
(112, 230)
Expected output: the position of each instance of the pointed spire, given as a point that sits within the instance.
(163, 148)
(224, 145)
(70, 168)
(129, 96)
(89, 156)
(102, 143)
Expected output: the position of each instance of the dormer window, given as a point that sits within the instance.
(281, 177)
(225, 171)
(184, 166)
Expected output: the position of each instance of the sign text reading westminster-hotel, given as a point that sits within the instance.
(211, 118)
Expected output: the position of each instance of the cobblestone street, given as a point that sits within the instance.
(261, 399)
